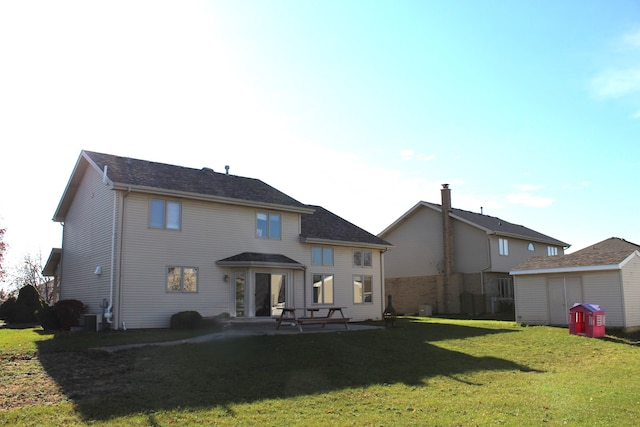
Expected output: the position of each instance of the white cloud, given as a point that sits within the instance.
(632, 39)
(527, 187)
(617, 83)
(574, 186)
(528, 199)
(426, 157)
(409, 154)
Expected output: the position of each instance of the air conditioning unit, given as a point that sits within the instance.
(424, 310)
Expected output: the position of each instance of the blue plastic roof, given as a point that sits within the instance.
(590, 307)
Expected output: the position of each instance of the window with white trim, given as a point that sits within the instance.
(268, 225)
(322, 288)
(531, 247)
(165, 214)
(362, 258)
(362, 289)
(552, 250)
(182, 279)
(321, 255)
(503, 247)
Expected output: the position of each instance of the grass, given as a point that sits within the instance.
(425, 371)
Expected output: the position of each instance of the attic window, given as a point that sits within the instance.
(531, 247)
(552, 250)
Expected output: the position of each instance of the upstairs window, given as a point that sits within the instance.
(552, 250)
(165, 214)
(321, 256)
(268, 225)
(531, 247)
(503, 247)
(362, 258)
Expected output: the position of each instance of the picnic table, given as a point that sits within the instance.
(289, 315)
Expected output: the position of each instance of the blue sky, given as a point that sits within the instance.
(528, 109)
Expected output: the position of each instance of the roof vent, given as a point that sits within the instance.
(206, 169)
(227, 169)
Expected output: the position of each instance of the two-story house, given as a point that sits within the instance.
(456, 261)
(144, 240)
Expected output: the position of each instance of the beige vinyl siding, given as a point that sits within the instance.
(211, 232)
(531, 299)
(604, 288)
(518, 253)
(470, 248)
(87, 238)
(344, 271)
(418, 245)
(631, 292)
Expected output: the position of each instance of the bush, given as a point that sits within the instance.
(68, 312)
(24, 308)
(186, 320)
(48, 318)
(6, 309)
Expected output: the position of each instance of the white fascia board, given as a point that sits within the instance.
(402, 217)
(566, 269)
(265, 264)
(630, 257)
(328, 242)
(208, 198)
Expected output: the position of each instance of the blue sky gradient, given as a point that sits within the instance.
(528, 109)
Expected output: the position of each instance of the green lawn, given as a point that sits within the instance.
(424, 372)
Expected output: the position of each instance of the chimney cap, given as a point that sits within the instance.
(445, 186)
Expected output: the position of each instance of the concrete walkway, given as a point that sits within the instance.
(235, 329)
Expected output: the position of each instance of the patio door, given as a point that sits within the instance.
(270, 292)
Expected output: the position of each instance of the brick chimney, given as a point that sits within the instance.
(447, 233)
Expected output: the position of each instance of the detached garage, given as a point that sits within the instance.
(606, 274)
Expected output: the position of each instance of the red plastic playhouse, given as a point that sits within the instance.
(587, 320)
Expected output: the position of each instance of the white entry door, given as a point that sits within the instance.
(564, 292)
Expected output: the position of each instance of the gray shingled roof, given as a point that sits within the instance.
(133, 172)
(500, 226)
(609, 252)
(258, 258)
(126, 172)
(326, 225)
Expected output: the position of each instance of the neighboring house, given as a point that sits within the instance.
(606, 274)
(143, 241)
(456, 261)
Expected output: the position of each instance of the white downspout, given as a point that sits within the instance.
(108, 314)
(382, 288)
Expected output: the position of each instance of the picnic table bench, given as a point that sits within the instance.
(289, 315)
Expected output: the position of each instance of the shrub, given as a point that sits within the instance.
(24, 308)
(68, 312)
(6, 309)
(48, 318)
(186, 320)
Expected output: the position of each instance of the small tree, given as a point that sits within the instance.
(30, 273)
(26, 305)
(3, 250)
